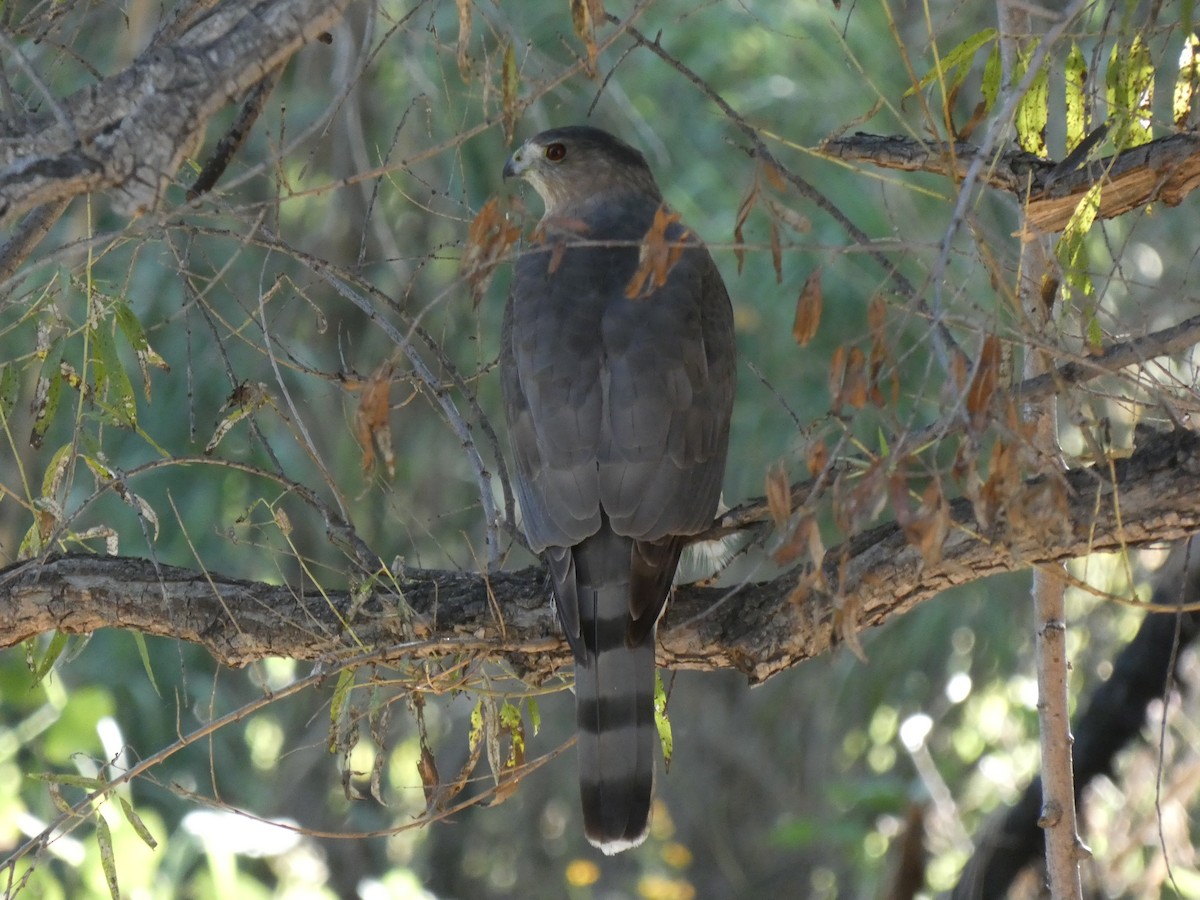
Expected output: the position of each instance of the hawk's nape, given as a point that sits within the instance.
(618, 412)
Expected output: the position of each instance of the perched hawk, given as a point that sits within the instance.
(618, 378)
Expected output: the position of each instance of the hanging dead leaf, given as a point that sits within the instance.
(430, 782)
(743, 213)
(510, 85)
(779, 495)
(464, 39)
(808, 309)
(371, 420)
(877, 316)
(926, 528)
(859, 500)
(983, 385)
(837, 373)
(657, 255)
(818, 458)
(489, 237)
(845, 622)
(776, 252)
(854, 385)
(584, 16)
(796, 221)
(805, 539)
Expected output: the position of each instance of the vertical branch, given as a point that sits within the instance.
(1064, 848)
(1057, 818)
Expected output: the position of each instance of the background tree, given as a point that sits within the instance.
(250, 289)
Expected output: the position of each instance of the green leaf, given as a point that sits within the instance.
(112, 381)
(990, 88)
(1071, 251)
(54, 650)
(107, 859)
(10, 382)
(337, 706)
(1129, 89)
(131, 330)
(1033, 112)
(140, 640)
(535, 716)
(1186, 81)
(87, 783)
(47, 393)
(55, 470)
(1076, 81)
(1095, 335)
(661, 720)
(136, 821)
(954, 66)
(476, 732)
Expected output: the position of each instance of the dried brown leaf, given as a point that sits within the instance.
(584, 16)
(818, 458)
(371, 419)
(794, 220)
(877, 316)
(489, 238)
(430, 782)
(808, 309)
(779, 495)
(854, 385)
(657, 256)
(776, 252)
(837, 374)
(464, 39)
(983, 385)
(510, 85)
(743, 213)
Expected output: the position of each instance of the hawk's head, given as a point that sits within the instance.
(572, 165)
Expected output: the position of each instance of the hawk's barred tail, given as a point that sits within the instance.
(614, 699)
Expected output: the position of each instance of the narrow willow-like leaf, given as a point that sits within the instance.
(990, 87)
(1186, 81)
(1033, 112)
(661, 720)
(1076, 82)
(953, 67)
(58, 643)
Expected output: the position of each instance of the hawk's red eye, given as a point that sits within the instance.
(555, 152)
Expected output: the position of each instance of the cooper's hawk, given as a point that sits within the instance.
(618, 393)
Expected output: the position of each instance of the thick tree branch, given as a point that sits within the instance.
(757, 629)
(130, 132)
(1166, 169)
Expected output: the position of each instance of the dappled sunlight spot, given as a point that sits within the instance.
(958, 688)
(662, 826)
(914, 730)
(394, 886)
(875, 845)
(230, 833)
(659, 887)
(1149, 263)
(881, 759)
(676, 855)
(582, 872)
(264, 739)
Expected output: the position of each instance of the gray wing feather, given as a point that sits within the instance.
(632, 396)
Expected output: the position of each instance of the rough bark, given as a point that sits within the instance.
(129, 133)
(757, 629)
(1166, 169)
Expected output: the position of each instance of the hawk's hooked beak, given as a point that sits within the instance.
(518, 162)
